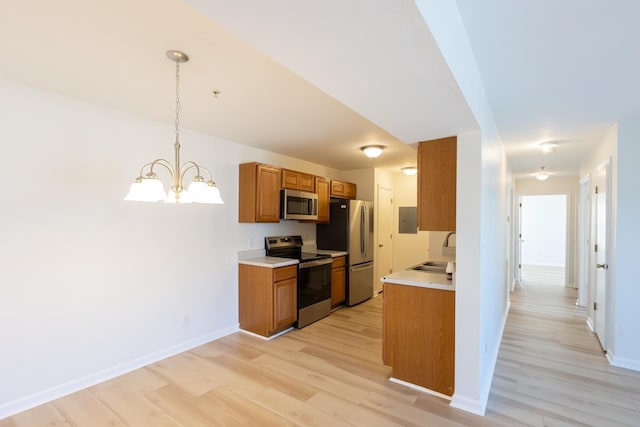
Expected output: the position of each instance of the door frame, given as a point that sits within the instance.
(606, 304)
(584, 240)
(377, 259)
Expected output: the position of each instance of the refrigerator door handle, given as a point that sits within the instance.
(364, 266)
(363, 247)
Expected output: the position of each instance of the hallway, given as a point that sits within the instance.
(551, 369)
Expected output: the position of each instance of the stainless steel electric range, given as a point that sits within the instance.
(314, 277)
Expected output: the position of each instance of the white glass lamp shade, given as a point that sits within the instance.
(542, 176)
(205, 192)
(146, 190)
(373, 151)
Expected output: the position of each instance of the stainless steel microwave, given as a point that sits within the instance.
(300, 205)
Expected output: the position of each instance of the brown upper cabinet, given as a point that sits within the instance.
(345, 190)
(259, 199)
(437, 184)
(322, 189)
(297, 181)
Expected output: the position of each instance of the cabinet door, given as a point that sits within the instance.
(343, 189)
(337, 286)
(322, 188)
(437, 184)
(297, 181)
(285, 311)
(268, 194)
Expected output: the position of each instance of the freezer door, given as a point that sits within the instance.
(360, 283)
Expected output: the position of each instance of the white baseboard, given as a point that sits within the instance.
(479, 406)
(419, 388)
(27, 402)
(590, 324)
(622, 362)
(469, 405)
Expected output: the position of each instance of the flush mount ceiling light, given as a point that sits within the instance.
(542, 175)
(372, 151)
(148, 188)
(410, 170)
(548, 147)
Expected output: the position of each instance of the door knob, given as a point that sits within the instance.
(603, 266)
(380, 246)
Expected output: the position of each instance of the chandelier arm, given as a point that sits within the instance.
(187, 166)
(161, 162)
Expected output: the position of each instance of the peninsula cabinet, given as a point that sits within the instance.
(338, 281)
(418, 335)
(259, 199)
(437, 184)
(343, 190)
(267, 298)
(297, 181)
(322, 189)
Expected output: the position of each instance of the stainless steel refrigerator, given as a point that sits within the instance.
(351, 229)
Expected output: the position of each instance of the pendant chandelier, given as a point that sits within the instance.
(148, 188)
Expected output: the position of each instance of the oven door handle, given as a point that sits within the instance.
(316, 263)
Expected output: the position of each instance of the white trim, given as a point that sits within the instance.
(253, 334)
(469, 405)
(479, 406)
(590, 324)
(622, 362)
(27, 402)
(419, 388)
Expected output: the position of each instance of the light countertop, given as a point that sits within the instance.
(421, 279)
(269, 261)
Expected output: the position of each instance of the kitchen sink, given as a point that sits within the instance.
(432, 267)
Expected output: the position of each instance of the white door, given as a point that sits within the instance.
(600, 248)
(384, 258)
(583, 242)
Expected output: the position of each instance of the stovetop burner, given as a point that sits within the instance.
(290, 247)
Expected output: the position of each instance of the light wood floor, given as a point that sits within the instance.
(550, 372)
(543, 274)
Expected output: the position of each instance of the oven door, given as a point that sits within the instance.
(314, 282)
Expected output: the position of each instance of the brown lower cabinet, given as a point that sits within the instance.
(418, 339)
(338, 281)
(267, 298)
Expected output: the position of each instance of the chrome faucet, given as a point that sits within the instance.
(445, 244)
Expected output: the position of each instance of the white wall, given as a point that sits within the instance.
(408, 249)
(93, 286)
(624, 291)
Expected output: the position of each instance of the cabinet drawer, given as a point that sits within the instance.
(283, 273)
(337, 262)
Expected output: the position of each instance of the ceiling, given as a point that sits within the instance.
(317, 80)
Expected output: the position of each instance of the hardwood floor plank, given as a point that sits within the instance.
(352, 413)
(296, 411)
(43, 415)
(181, 406)
(83, 409)
(312, 377)
(134, 408)
(227, 408)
